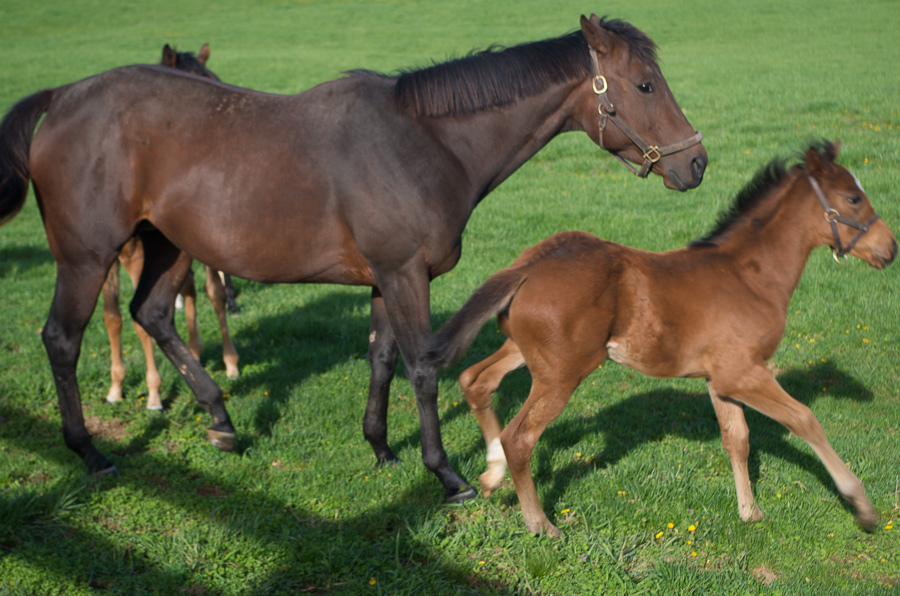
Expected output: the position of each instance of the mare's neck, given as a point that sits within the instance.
(494, 143)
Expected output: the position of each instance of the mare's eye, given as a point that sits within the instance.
(646, 87)
(853, 200)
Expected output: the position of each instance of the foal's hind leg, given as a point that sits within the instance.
(154, 301)
(382, 363)
(761, 391)
(73, 304)
(736, 441)
(132, 258)
(216, 293)
(188, 291)
(112, 320)
(479, 382)
(544, 404)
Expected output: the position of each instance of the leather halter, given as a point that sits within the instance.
(651, 153)
(834, 218)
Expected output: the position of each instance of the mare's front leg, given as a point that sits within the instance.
(77, 288)
(736, 441)
(165, 267)
(759, 390)
(479, 382)
(382, 364)
(406, 300)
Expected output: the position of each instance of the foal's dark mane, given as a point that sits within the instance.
(499, 76)
(767, 178)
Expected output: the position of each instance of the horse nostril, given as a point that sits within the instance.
(698, 166)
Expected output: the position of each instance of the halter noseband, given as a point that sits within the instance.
(834, 218)
(651, 153)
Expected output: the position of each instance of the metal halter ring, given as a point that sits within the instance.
(652, 154)
(602, 79)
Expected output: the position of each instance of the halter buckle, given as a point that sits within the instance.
(831, 215)
(599, 78)
(652, 154)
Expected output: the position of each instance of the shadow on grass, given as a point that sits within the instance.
(305, 552)
(651, 416)
(23, 258)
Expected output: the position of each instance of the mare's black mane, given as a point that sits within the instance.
(499, 76)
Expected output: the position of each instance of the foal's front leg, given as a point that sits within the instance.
(759, 390)
(736, 441)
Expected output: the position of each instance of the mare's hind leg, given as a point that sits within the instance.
(544, 404)
(761, 391)
(112, 320)
(479, 382)
(736, 441)
(76, 294)
(165, 266)
(382, 364)
(216, 293)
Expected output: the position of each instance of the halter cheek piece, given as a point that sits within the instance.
(651, 153)
(834, 218)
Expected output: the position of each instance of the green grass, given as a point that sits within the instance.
(301, 507)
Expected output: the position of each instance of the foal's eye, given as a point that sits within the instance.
(646, 87)
(854, 199)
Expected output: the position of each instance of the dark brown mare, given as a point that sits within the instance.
(715, 310)
(132, 258)
(365, 180)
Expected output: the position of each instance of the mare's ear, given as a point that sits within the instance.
(596, 36)
(203, 56)
(169, 57)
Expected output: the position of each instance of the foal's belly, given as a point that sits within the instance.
(651, 359)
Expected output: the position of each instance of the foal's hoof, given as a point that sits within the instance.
(868, 520)
(222, 440)
(464, 494)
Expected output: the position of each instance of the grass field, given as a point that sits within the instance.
(627, 470)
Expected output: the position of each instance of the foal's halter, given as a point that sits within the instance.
(651, 153)
(834, 218)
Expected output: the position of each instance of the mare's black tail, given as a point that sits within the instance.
(16, 131)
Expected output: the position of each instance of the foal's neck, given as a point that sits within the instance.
(771, 249)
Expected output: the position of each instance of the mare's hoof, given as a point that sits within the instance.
(109, 471)
(222, 440)
(464, 494)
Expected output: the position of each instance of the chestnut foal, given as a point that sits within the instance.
(714, 310)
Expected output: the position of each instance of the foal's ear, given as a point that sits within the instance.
(169, 57)
(203, 56)
(818, 156)
(596, 36)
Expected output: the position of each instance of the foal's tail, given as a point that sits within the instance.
(492, 298)
(16, 131)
